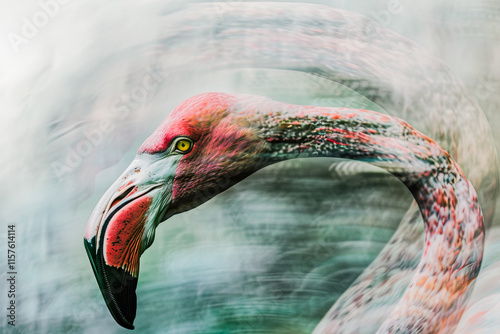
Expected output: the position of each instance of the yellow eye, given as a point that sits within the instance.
(183, 145)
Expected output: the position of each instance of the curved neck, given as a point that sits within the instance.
(454, 235)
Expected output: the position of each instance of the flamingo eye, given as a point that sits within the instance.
(183, 145)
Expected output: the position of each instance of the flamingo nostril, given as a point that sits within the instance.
(123, 195)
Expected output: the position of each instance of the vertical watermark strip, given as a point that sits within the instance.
(11, 274)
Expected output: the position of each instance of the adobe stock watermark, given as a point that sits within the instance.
(222, 6)
(31, 26)
(94, 137)
(382, 18)
(485, 88)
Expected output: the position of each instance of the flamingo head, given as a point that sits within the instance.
(202, 148)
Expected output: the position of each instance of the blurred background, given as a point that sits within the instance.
(83, 84)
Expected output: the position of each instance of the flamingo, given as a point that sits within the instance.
(220, 139)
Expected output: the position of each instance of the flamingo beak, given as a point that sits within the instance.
(122, 226)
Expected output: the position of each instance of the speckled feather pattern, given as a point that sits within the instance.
(454, 236)
(244, 133)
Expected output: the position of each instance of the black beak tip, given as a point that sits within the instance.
(117, 287)
(124, 323)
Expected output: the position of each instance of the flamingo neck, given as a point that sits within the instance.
(454, 231)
